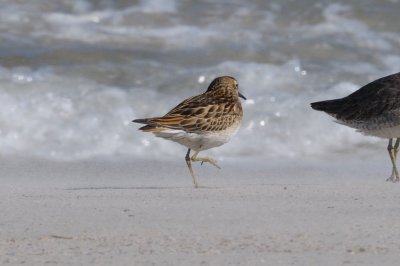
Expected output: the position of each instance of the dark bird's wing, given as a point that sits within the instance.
(375, 99)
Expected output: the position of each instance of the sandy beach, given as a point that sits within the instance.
(122, 212)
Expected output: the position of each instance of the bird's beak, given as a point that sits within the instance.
(241, 96)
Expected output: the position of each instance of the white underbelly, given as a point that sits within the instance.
(377, 128)
(199, 142)
(386, 132)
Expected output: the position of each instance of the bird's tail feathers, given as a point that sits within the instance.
(330, 106)
(152, 124)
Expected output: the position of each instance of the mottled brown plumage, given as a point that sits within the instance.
(201, 122)
(373, 110)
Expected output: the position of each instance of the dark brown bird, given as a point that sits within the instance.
(373, 110)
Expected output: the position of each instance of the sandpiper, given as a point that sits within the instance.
(201, 122)
(373, 110)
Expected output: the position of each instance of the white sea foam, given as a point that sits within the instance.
(87, 70)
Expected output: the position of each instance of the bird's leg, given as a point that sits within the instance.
(204, 159)
(393, 150)
(396, 150)
(189, 164)
(390, 150)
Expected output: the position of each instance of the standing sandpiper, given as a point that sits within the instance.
(201, 122)
(373, 110)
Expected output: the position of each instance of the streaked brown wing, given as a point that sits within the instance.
(210, 111)
(211, 117)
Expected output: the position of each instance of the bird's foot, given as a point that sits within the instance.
(393, 178)
(207, 160)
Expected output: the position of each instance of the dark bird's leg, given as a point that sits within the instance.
(396, 150)
(189, 164)
(393, 150)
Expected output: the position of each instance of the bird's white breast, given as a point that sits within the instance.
(200, 141)
(377, 128)
(386, 132)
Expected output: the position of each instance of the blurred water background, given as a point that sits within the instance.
(74, 73)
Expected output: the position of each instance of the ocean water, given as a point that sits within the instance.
(74, 73)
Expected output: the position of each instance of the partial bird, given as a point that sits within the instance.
(373, 110)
